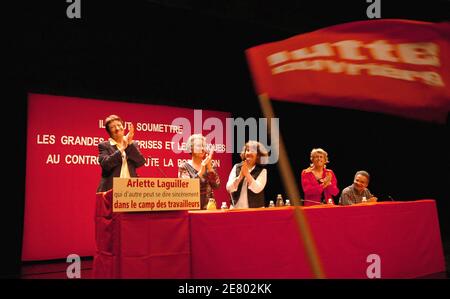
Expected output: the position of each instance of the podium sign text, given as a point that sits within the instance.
(155, 194)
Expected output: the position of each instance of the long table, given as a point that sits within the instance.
(403, 237)
(265, 243)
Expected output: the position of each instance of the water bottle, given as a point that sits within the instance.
(288, 202)
(364, 199)
(271, 204)
(211, 204)
(330, 201)
(280, 201)
(224, 205)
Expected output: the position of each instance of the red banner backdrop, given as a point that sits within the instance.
(397, 67)
(63, 173)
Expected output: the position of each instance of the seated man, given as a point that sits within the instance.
(354, 194)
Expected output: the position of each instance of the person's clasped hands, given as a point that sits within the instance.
(206, 162)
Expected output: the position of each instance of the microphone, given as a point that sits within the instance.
(390, 197)
(232, 200)
(159, 168)
(312, 201)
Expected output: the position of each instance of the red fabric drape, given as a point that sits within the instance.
(265, 243)
(140, 245)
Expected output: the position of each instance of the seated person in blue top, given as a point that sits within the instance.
(354, 194)
(119, 156)
(248, 178)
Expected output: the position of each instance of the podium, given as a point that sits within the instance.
(140, 244)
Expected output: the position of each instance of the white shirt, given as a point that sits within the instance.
(257, 185)
(124, 171)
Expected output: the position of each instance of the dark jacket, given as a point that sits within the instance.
(110, 160)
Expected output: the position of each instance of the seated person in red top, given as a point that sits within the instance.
(119, 156)
(354, 194)
(319, 183)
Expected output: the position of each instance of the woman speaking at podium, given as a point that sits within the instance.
(319, 183)
(200, 166)
(119, 156)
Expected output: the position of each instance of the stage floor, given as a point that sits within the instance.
(54, 269)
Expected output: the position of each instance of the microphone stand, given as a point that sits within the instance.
(312, 201)
(159, 168)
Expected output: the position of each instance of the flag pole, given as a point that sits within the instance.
(292, 191)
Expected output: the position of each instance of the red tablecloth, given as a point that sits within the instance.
(140, 245)
(264, 243)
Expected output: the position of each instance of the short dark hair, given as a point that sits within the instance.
(363, 173)
(109, 119)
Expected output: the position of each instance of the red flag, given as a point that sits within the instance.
(398, 67)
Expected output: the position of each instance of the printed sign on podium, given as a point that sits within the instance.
(155, 194)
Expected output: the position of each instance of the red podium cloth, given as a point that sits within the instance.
(140, 245)
(264, 243)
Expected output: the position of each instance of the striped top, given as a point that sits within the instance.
(208, 181)
(350, 196)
